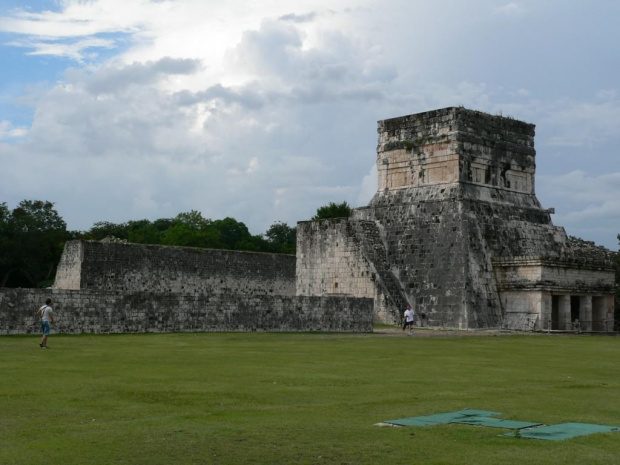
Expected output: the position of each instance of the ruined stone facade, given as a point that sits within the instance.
(455, 229)
(113, 266)
(112, 287)
(96, 311)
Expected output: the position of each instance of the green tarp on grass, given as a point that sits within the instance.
(525, 429)
(497, 423)
(564, 431)
(410, 422)
(443, 418)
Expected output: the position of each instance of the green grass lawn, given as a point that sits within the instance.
(300, 398)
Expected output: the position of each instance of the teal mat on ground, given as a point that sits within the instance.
(497, 423)
(444, 418)
(564, 431)
(526, 429)
(451, 417)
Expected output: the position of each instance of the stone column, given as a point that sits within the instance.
(585, 312)
(564, 312)
(609, 306)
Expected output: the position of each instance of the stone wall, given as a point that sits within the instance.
(345, 256)
(91, 311)
(526, 310)
(330, 260)
(152, 268)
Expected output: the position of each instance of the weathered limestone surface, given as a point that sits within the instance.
(345, 257)
(69, 269)
(152, 268)
(93, 311)
(463, 233)
(113, 287)
(455, 144)
(561, 276)
(331, 245)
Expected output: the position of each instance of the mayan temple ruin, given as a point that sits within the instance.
(455, 229)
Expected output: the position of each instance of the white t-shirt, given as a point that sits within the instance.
(409, 314)
(46, 310)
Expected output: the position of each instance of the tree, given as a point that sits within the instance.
(333, 210)
(233, 233)
(143, 232)
(103, 229)
(191, 230)
(33, 237)
(33, 216)
(281, 238)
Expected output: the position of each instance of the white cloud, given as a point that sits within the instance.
(8, 131)
(579, 123)
(85, 18)
(585, 205)
(580, 187)
(265, 111)
(299, 18)
(368, 187)
(512, 8)
(74, 50)
(147, 148)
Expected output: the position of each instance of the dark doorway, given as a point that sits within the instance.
(555, 313)
(598, 314)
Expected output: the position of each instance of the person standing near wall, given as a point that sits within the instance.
(409, 319)
(46, 312)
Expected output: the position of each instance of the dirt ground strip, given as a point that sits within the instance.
(395, 331)
(434, 332)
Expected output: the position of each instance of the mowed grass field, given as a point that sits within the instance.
(266, 398)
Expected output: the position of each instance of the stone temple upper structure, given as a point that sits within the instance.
(456, 230)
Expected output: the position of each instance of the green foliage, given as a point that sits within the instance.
(191, 230)
(232, 233)
(262, 398)
(33, 216)
(333, 210)
(32, 238)
(103, 229)
(281, 238)
(144, 232)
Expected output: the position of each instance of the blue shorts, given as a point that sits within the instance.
(45, 328)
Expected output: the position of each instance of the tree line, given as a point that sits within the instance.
(33, 235)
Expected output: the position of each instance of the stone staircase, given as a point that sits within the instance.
(373, 248)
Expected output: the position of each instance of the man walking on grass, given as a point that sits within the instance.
(46, 312)
(409, 319)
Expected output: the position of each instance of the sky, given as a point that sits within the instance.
(118, 110)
